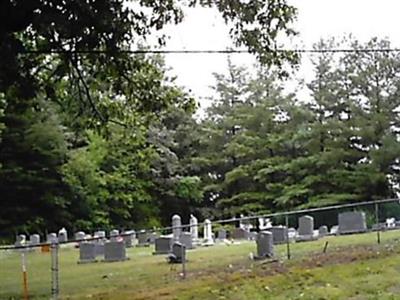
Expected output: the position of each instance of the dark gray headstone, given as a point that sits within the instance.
(178, 253)
(265, 245)
(87, 252)
(114, 251)
(352, 222)
(163, 245)
(186, 239)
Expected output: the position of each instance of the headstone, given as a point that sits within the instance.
(80, 236)
(245, 224)
(253, 235)
(186, 240)
(87, 252)
(34, 239)
(352, 222)
(334, 230)
(207, 233)
(52, 238)
(323, 231)
(114, 235)
(178, 253)
(279, 234)
(221, 234)
(21, 240)
(114, 251)
(162, 245)
(240, 234)
(99, 247)
(152, 238)
(127, 236)
(306, 229)
(176, 227)
(265, 245)
(292, 233)
(264, 223)
(100, 234)
(143, 238)
(194, 228)
(306, 225)
(391, 223)
(62, 235)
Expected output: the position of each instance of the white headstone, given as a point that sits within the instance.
(323, 231)
(207, 233)
(34, 239)
(80, 236)
(52, 238)
(100, 234)
(62, 235)
(176, 227)
(114, 235)
(194, 228)
(21, 240)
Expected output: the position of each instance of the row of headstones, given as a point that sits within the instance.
(349, 222)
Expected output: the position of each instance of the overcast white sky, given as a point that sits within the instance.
(203, 29)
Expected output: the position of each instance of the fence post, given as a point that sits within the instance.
(378, 232)
(54, 270)
(24, 275)
(287, 236)
(183, 254)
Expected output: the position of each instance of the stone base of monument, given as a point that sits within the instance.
(208, 243)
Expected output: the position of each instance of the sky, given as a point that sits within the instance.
(204, 29)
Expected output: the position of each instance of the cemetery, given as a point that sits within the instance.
(172, 264)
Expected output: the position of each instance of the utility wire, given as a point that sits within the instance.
(227, 51)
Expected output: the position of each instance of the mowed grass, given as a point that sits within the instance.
(221, 272)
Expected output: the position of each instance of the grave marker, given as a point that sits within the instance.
(265, 245)
(162, 245)
(114, 251)
(352, 222)
(176, 227)
(87, 253)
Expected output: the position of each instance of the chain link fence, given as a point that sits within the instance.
(58, 269)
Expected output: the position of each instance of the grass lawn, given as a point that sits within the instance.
(354, 267)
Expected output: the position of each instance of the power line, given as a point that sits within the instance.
(227, 51)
